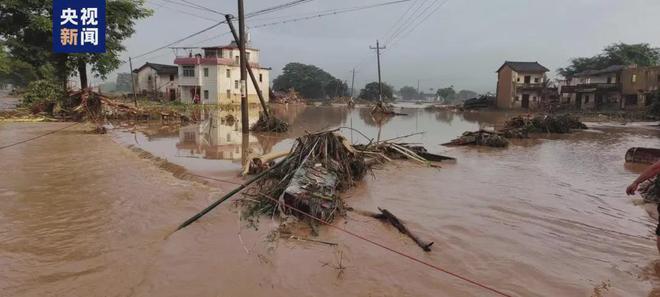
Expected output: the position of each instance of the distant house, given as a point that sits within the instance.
(616, 86)
(639, 85)
(521, 85)
(157, 80)
(213, 75)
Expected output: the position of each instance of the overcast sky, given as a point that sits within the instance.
(461, 44)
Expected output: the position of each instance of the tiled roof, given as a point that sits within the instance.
(524, 66)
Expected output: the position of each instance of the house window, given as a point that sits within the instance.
(586, 98)
(228, 73)
(235, 84)
(237, 59)
(536, 79)
(633, 78)
(228, 94)
(206, 72)
(261, 77)
(149, 77)
(247, 55)
(518, 79)
(206, 94)
(189, 71)
(658, 77)
(171, 77)
(609, 79)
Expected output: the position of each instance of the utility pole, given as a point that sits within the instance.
(130, 64)
(352, 83)
(243, 62)
(380, 83)
(418, 88)
(249, 68)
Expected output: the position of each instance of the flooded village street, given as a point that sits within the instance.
(85, 215)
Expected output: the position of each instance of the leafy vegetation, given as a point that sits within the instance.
(641, 54)
(26, 42)
(310, 81)
(408, 93)
(370, 92)
(41, 95)
(448, 94)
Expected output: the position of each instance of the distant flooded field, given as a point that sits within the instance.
(81, 215)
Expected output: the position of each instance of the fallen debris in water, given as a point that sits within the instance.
(257, 165)
(385, 109)
(392, 219)
(269, 124)
(520, 126)
(643, 155)
(481, 137)
(306, 184)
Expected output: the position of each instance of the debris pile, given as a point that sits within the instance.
(290, 96)
(318, 168)
(481, 137)
(310, 177)
(269, 124)
(384, 108)
(520, 126)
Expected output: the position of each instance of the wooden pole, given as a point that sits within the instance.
(380, 83)
(249, 68)
(241, 45)
(226, 196)
(352, 83)
(130, 64)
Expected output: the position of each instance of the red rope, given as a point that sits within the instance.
(36, 137)
(456, 275)
(420, 261)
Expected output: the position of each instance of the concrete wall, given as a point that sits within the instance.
(504, 87)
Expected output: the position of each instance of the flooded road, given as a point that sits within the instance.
(82, 215)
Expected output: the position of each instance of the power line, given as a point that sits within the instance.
(358, 8)
(36, 137)
(194, 6)
(180, 40)
(276, 8)
(204, 7)
(185, 12)
(408, 32)
(411, 19)
(398, 21)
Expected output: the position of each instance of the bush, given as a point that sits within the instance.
(41, 95)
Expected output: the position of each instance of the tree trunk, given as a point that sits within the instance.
(82, 70)
(62, 74)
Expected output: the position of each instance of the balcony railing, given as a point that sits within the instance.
(591, 87)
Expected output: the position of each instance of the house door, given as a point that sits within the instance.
(525, 101)
(578, 101)
(598, 101)
(172, 94)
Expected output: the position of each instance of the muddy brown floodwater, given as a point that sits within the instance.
(83, 215)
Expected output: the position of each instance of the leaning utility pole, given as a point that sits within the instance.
(249, 68)
(130, 64)
(352, 83)
(380, 84)
(244, 99)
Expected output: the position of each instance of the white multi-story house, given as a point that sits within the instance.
(157, 80)
(213, 75)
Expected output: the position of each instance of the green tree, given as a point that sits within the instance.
(123, 83)
(641, 54)
(448, 94)
(120, 21)
(336, 88)
(370, 92)
(466, 94)
(311, 81)
(408, 93)
(26, 31)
